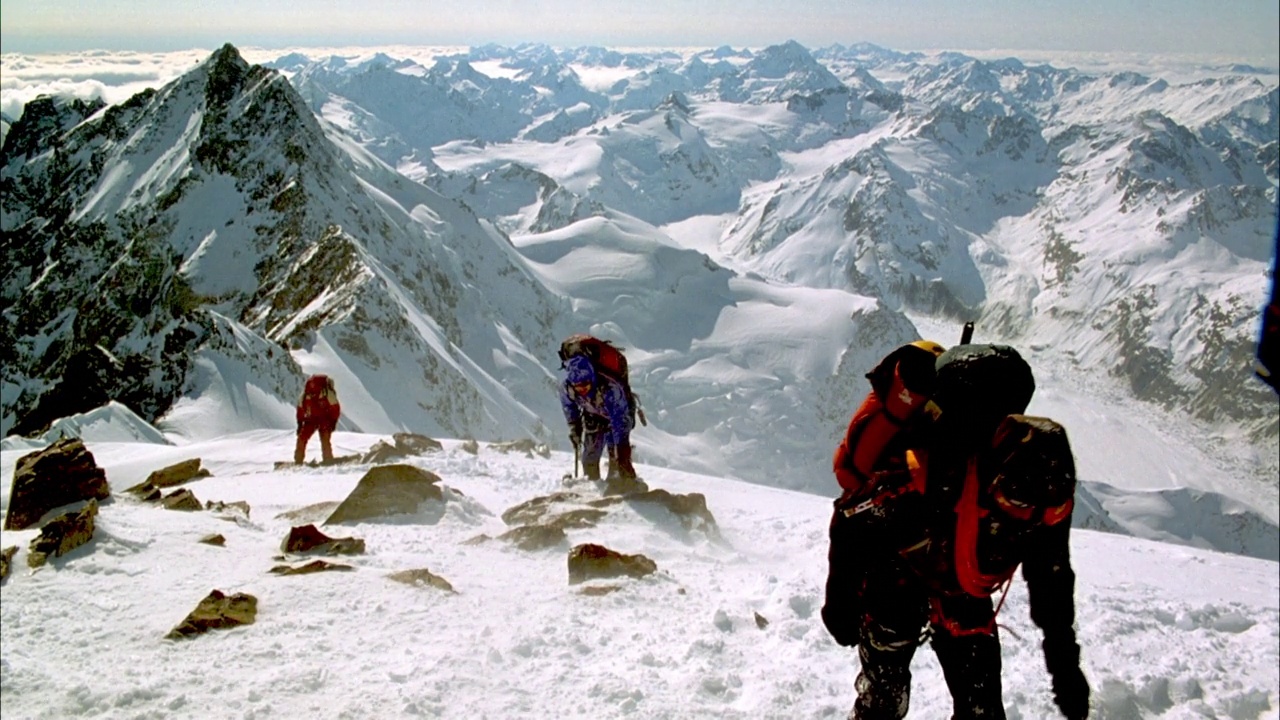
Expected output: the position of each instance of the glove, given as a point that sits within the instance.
(1071, 693)
(1070, 688)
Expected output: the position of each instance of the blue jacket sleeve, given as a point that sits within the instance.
(572, 413)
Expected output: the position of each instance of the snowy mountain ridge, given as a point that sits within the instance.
(751, 239)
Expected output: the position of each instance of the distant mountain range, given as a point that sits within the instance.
(750, 226)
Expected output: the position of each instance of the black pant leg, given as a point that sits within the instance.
(971, 665)
(896, 613)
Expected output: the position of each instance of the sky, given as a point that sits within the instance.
(1241, 28)
(515, 640)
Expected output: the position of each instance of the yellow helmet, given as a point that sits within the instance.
(929, 345)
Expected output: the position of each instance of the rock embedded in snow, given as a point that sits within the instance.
(63, 534)
(421, 577)
(309, 539)
(314, 566)
(183, 499)
(61, 474)
(388, 490)
(217, 611)
(589, 561)
(177, 474)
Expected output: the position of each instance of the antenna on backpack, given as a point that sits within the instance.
(966, 335)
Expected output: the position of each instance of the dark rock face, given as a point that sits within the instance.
(589, 561)
(177, 474)
(308, 539)
(314, 566)
(6, 557)
(388, 490)
(183, 500)
(63, 534)
(61, 474)
(215, 612)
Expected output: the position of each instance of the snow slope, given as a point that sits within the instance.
(1167, 631)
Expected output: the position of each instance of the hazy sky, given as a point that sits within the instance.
(1237, 28)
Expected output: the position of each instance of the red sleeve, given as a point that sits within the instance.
(872, 428)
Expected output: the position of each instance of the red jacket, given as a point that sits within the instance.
(318, 407)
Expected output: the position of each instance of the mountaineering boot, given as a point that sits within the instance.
(591, 470)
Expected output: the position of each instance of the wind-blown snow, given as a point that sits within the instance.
(1167, 631)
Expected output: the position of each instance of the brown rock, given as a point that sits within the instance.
(309, 539)
(177, 474)
(314, 566)
(403, 445)
(63, 534)
(421, 577)
(217, 540)
(624, 486)
(61, 474)
(589, 561)
(6, 557)
(237, 507)
(182, 499)
(534, 537)
(471, 446)
(215, 612)
(761, 622)
(599, 590)
(691, 509)
(388, 490)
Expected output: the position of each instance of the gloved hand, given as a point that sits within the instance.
(1071, 693)
(1070, 688)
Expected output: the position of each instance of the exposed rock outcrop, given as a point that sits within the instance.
(388, 490)
(63, 534)
(590, 561)
(215, 612)
(309, 539)
(61, 474)
(314, 566)
(421, 577)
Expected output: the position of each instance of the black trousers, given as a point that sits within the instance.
(897, 611)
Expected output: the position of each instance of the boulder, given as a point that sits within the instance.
(471, 446)
(313, 513)
(216, 612)
(314, 566)
(182, 499)
(388, 490)
(421, 577)
(309, 539)
(402, 445)
(690, 509)
(228, 510)
(177, 474)
(6, 557)
(61, 474)
(63, 534)
(589, 561)
(534, 537)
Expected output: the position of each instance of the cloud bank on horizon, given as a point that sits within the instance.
(1246, 29)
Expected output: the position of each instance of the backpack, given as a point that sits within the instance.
(607, 360)
(319, 388)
